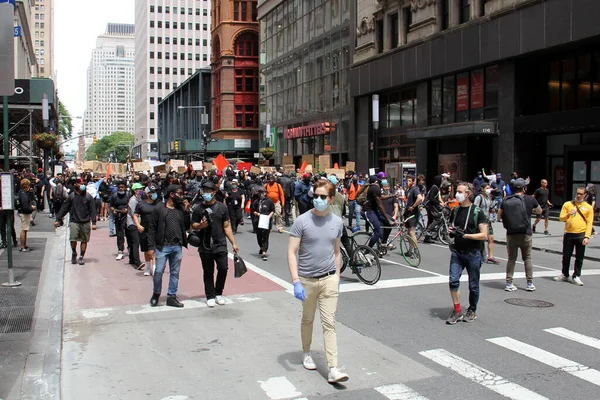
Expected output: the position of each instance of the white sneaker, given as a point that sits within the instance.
(577, 281)
(221, 300)
(510, 287)
(146, 273)
(211, 303)
(335, 375)
(560, 278)
(530, 287)
(308, 362)
(120, 256)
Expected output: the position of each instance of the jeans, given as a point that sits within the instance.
(324, 292)
(377, 221)
(111, 224)
(471, 260)
(573, 241)
(354, 211)
(120, 222)
(212, 288)
(133, 245)
(288, 210)
(513, 244)
(174, 255)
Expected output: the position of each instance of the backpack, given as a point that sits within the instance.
(361, 196)
(18, 205)
(514, 215)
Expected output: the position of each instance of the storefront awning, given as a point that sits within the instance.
(471, 128)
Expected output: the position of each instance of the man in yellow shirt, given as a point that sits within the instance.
(578, 217)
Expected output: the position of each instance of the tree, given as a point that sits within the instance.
(66, 123)
(114, 148)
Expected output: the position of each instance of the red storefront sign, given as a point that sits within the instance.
(559, 180)
(306, 131)
(462, 94)
(477, 89)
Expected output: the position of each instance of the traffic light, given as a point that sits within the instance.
(326, 126)
(95, 139)
(176, 144)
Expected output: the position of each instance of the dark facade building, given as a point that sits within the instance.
(305, 104)
(508, 85)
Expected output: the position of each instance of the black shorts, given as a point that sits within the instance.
(545, 212)
(411, 223)
(144, 241)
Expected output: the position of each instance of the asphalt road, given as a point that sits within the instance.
(509, 351)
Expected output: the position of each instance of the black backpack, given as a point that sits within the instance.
(18, 205)
(514, 215)
(361, 196)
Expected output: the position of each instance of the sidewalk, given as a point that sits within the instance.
(551, 243)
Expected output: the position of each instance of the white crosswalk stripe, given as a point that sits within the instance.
(571, 367)
(481, 375)
(399, 391)
(576, 337)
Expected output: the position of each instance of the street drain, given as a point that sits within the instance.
(529, 303)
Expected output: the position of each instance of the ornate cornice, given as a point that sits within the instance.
(420, 4)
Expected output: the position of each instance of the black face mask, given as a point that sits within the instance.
(177, 200)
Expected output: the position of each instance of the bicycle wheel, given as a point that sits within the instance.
(410, 250)
(362, 238)
(366, 264)
(443, 233)
(345, 259)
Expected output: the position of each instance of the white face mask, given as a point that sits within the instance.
(460, 197)
(488, 191)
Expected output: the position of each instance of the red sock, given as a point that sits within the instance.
(457, 308)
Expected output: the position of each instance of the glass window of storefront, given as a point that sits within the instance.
(398, 108)
(467, 96)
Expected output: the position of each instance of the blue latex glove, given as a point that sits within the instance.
(299, 291)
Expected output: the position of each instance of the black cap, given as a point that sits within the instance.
(209, 185)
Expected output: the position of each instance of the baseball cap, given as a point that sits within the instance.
(152, 189)
(209, 185)
(234, 181)
(137, 186)
(519, 183)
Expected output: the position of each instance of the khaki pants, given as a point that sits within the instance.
(323, 291)
(513, 244)
(277, 220)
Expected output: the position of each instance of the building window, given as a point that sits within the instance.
(204, 42)
(205, 12)
(159, 24)
(246, 116)
(190, 56)
(151, 8)
(167, 10)
(246, 45)
(151, 39)
(174, 56)
(465, 11)
(174, 71)
(448, 99)
(394, 30)
(182, 41)
(246, 80)
(159, 40)
(175, 26)
(491, 92)
(217, 82)
(151, 100)
(159, 85)
(189, 11)
(217, 117)
(197, 56)
(197, 42)
(151, 131)
(167, 24)
(159, 70)
(189, 41)
(204, 27)
(204, 57)
(167, 40)
(197, 26)
(445, 14)
(167, 55)
(151, 54)
(167, 86)
(379, 35)
(159, 55)
(151, 24)
(151, 70)
(182, 11)
(244, 10)
(197, 11)
(190, 71)
(160, 9)
(151, 85)
(167, 70)
(190, 26)
(151, 115)
(182, 25)
(181, 71)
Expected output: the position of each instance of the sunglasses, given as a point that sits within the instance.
(322, 196)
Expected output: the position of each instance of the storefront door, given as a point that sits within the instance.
(584, 168)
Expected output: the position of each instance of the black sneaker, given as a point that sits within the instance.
(264, 257)
(140, 265)
(533, 229)
(81, 262)
(2, 246)
(154, 299)
(470, 316)
(546, 233)
(454, 317)
(173, 302)
(74, 259)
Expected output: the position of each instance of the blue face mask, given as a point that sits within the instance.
(320, 204)
(207, 196)
(154, 196)
(82, 187)
(384, 182)
(333, 180)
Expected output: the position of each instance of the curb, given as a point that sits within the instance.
(545, 250)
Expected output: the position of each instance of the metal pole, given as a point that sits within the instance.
(9, 221)
(31, 142)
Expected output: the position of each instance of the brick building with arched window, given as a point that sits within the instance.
(234, 63)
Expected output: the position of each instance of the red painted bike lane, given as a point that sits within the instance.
(104, 282)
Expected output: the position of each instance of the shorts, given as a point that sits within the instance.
(144, 241)
(490, 229)
(412, 223)
(545, 212)
(80, 232)
(25, 221)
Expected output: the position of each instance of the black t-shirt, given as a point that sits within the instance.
(145, 210)
(218, 214)
(458, 220)
(541, 195)
(590, 198)
(412, 195)
(234, 200)
(388, 205)
(432, 199)
(373, 192)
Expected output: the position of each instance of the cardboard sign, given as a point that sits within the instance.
(339, 173)
(287, 160)
(324, 162)
(160, 168)
(141, 166)
(197, 165)
(350, 166)
(177, 163)
(208, 166)
(289, 168)
(181, 170)
(308, 168)
(255, 170)
(58, 169)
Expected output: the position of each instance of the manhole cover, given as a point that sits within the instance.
(529, 303)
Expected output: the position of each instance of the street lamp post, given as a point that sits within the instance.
(374, 145)
(205, 137)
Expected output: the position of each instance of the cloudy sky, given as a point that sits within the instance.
(76, 29)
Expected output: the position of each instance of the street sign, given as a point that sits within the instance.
(17, 31)
(6, 193)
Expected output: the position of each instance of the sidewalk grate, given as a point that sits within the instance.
(19, 297)
(16, 319)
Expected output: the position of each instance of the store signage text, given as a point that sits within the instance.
(306, 131)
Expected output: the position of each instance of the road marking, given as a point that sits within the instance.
(576, 337)
(279, 388)
(399, 391)
(409, 267)
(571, 367)
(189, 304)
(482, 376)
(265, 274)
(96, 313)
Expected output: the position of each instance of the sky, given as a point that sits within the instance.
(77, 26)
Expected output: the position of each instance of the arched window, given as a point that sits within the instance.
(246, 45)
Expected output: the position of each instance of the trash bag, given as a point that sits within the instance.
(239, 265)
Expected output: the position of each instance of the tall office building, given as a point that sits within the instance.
(111, 84)
(42, 32)
(172, 42)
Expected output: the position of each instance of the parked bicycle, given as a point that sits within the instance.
(408, 246)
(363, 261)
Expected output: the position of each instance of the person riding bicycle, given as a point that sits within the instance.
(434, 206)
(375, 213)
(413, 199)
